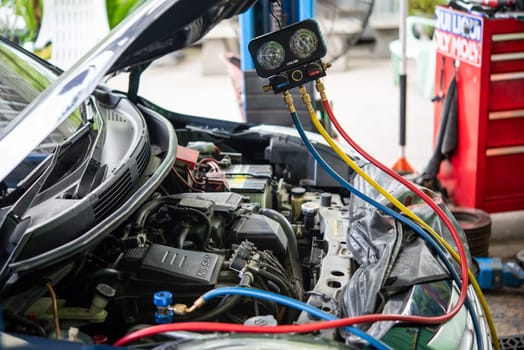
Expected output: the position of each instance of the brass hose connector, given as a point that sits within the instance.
(288, 100)
(306, 99)
(179, 309)
(319, 85)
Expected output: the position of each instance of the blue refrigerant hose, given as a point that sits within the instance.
(293, 303)
(395, 215)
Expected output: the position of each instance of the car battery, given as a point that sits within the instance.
(251, 180)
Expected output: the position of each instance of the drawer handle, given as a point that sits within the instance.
(507, 76)
(496, 57)
(507, 37)
(518, 113)
(503, 151)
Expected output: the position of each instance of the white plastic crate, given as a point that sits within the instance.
(72, 27)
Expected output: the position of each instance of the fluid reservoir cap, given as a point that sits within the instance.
(298, 191)
(163, 298)
(309, 208)
(261, 321)
(105, 290)
(325, 199)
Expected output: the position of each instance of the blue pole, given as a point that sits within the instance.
(247, 32)
(306, 9)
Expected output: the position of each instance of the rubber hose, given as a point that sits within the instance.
(182, 237)
(203, 216)
(153, 205)
(26, 322)
(283, 285)
(277, 272)
(148, 208)
(294, 257)
(224, 306)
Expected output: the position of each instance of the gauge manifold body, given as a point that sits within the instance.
(291, 47)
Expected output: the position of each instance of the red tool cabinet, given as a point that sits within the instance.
(487, 54)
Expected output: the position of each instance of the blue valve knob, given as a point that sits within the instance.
(162, 301)
(163, 298)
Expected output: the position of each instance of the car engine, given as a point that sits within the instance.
(215, 221)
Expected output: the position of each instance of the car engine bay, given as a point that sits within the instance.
(218, 219)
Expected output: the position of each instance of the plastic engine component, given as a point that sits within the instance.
(186, 157)
(173, 265)
(264, 232)
(333, 265)
(251, 180)
(223, 201)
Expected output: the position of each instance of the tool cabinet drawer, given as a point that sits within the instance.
(505, 129)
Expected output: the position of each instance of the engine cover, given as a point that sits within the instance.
(173, 265)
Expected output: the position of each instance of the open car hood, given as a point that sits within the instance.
(156, 28)
(182, 24)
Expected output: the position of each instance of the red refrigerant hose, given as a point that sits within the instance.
(300, 328)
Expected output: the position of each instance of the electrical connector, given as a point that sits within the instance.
(241, 256)
(186, 158)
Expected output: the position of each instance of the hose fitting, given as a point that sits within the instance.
(306, 99)
(288, 100)
(196, 305)
(319, 85)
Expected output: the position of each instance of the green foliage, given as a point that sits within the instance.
(30, 11)
(117, 10)
(27, 9)
(424, 8)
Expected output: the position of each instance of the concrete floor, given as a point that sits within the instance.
(366, 102)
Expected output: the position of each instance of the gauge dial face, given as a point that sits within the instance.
(271, 55)
(303, 43)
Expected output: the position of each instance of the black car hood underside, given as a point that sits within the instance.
(183, 24)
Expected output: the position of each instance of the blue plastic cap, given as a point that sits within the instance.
(163, 298)
(161, 318)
